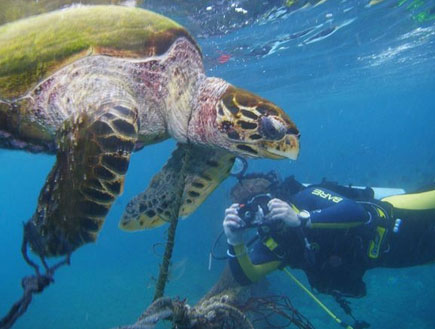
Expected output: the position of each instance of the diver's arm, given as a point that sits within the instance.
(345, 214)
(244, 270)
(326, 210)
(240, 263)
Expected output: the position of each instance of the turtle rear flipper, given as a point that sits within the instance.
(203, 168)
(93, 157)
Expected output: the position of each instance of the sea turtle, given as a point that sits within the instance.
(92, 84)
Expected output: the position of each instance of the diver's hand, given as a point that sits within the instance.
(281, 211)
(233, 225)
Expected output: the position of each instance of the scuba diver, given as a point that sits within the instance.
(333, 233)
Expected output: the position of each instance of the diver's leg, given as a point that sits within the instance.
(413, 243)
(94, 149)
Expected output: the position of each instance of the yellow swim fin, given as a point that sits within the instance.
(412, 201)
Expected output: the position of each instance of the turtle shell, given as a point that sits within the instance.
(33, 49)
(12, 10)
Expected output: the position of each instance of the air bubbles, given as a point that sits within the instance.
(239, 167)
(240, 10)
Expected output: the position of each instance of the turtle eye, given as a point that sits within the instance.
(272, 128)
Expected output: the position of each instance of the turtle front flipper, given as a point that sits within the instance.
(207, 169)
(158, 204)
(204, 169)
(92, 159)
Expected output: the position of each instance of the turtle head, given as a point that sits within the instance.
(255, 127)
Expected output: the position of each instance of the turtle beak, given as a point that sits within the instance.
(287, 147)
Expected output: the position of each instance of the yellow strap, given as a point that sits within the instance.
(323, 306)
(295, 208)
(335, 225)
(375, 244)
(271, 244)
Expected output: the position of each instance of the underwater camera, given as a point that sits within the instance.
(253, 211)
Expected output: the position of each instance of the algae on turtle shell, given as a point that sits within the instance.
(12, 10)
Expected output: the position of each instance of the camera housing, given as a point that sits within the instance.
(249, 211)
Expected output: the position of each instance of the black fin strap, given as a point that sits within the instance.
(345, 305)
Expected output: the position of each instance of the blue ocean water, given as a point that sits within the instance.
(357, 77)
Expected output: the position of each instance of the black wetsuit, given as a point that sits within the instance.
(346, 238)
